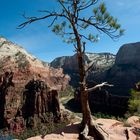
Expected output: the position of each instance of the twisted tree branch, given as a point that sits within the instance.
(99, 86)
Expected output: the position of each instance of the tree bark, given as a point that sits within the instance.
(88, 126)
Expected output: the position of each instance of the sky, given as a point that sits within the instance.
(38, 39)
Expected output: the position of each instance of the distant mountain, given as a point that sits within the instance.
(102, 62)
(125, 73)
(28, 87)
(13, 52)
(17, 59)
(122, 70)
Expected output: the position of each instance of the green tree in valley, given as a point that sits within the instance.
(77, 29)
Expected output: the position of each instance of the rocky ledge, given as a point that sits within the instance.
(115, 130)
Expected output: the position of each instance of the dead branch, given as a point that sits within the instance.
(84, 47)
(76, 49)
(30, 20)
(99, 86)
(86, 5)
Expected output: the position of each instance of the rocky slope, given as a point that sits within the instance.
(123, 70)
(102, 62)
(125, 73)
(28, 88)
(26, 66)
(129, 54)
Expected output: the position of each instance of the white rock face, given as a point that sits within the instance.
(15, 52)
(26, 66)
(101, 60)
(129, 54)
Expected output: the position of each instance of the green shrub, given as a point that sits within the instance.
(134, 101)
(68, 92)
(42, 130)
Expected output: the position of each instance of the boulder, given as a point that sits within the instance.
(133, 121)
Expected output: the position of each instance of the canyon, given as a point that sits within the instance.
(28, 88)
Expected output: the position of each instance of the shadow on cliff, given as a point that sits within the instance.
(101, 102)
(5, 83)
(38, 100)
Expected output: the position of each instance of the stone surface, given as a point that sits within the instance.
(70, 132)
(129, 54)
(133, 121)
(114, 128)
(125, 73)
(26, 67)
(31, 87)
(102, 62)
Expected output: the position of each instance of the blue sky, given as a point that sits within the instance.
(41, 42)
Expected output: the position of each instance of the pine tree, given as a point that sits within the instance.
(71, 28)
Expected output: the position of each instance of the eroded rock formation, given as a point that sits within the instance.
(126, 70)
(38, 100)
(100, 61)
(123, 71)
(20, 68)
(5, 84)
(31, 108)
(26, 67)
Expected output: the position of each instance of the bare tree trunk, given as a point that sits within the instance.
(88, 126)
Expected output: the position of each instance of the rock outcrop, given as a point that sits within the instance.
(6, 87)
(26, 67)
(38, 100)
(122, 71)
(129, 54)
(28, 87)
(102, 62)
(125, 73)
(115, 129)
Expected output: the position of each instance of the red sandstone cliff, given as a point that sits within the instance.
(19, 102)
(26, 67)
